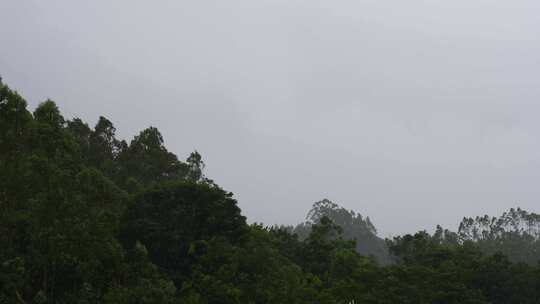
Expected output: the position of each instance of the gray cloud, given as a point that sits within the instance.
(413, 112)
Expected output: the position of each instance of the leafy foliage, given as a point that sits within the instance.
(88, 218)
(515, 233)
(353, 225)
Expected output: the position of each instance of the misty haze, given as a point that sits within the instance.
(269, 151)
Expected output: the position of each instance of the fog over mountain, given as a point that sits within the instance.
(414, 113)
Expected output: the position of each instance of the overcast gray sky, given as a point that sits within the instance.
(412, 112)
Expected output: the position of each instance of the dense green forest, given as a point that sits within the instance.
(89, 218)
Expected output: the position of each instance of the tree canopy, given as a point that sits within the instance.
(89, 218)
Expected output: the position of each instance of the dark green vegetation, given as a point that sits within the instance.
(88, 218)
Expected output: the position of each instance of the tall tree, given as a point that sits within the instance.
(146, 160)
(104, 148)
(171, 217)
(355, 227)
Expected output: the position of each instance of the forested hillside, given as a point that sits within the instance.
(352, 225)
(90, 218)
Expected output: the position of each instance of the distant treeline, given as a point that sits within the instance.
(89, 218)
